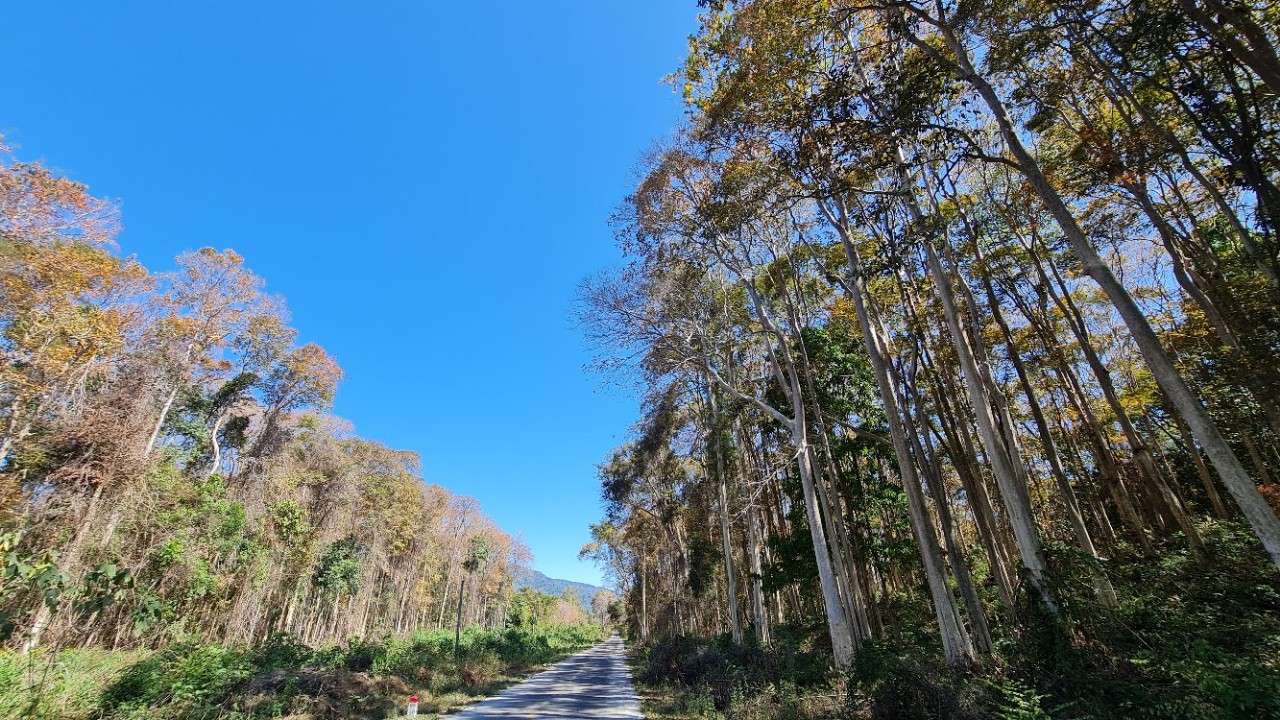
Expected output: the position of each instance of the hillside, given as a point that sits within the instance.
(530, 578)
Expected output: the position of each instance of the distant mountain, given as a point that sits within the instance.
(530, 578)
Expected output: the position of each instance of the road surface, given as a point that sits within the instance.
(591, 684)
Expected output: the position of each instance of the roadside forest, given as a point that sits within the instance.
(171, 480)
(958, 331)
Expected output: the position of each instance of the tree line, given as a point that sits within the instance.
(168, 467)
(975, 303)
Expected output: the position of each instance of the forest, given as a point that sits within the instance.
(171, 480)
(957, 326)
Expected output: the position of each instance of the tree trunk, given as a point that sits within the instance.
(1168, 504)
(217, 447)
(644, 603)
(726, 542)
(758, 614)
(1234, 27)
(964, 460)
(1255, 508)
(457, 627)
(164, 415)
(955, 549)
(1013, 491)
(957, 647)
(1102, 585)
(784, 369)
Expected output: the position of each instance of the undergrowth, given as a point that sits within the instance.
(1196, 637)
(192, 680)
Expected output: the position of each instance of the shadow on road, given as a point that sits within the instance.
(592, 684)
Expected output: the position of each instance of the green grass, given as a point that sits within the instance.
(65, 685)
(281, 678)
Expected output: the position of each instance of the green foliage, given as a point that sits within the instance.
(1017, 703)
(530, 607)
(1195, 636)
(150, 611)
(705, 560)
(903, 686)
(517, 648)
(522, 649)
(104, 586)
(36, 576)
(846, 387)
(281, 651)
(289, 520)
(477, 554)
(792, 552)
(24, 573)
(338, 571)
(211, 536)
(190, 679)
(183, 680)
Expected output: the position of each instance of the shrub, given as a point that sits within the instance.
(184, 678)
(906, 687)
(193, 680)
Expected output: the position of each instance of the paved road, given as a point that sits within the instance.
(592, 684)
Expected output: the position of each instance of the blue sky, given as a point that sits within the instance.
(425, 182)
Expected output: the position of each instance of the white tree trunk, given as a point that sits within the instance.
(758, 614)
(1234, 476)
(164, 414)
(1013, 491)
(732, 581)
(956, 645)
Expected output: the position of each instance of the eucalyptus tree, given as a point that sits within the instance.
(950, 38)
(718, 446)
(836, 133)
(1051, 231)
(756, 59)
(703, 249)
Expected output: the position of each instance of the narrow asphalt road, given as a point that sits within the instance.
(591, 684)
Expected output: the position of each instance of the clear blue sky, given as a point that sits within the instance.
(425, 182)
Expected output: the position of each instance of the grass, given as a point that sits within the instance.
(63, 685)
(191, 680)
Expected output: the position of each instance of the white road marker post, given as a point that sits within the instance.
(412, 710)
